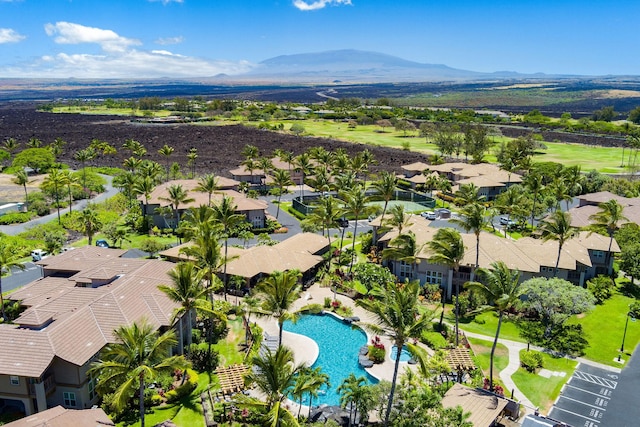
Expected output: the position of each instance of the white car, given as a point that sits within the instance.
(39, 254)
(506, 221)
(429, 215)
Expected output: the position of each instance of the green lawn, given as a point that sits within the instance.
(542, 391)
(482, 351)
(604, 327)
(486, 324)
(229, 347)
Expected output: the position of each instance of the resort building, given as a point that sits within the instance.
(588, 205)
(582, 258)
(259, 177)
(62, 417)
(70, 315)
(254, 210)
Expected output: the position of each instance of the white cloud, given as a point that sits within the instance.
(7, 35)
(165, 2)
(70, 33)
(169, 40)
(318, 4)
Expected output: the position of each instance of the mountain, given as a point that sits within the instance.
(356, 65)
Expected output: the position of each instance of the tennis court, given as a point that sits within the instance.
(408, 205)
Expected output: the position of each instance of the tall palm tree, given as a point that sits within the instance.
(250, 165)
(151, 169)
(501, 287)
(355, 203)
(186, 290)
(192, 156)
(83, 156)
(356, 394)
(468, 194)
(558, 227)
(560, 190)
(54, 183)
(303, 164)
(207, 184)
(398, 315)
(138, 357)
(274, 376)
(472, 219)
(71, 182)
(308, 381)
(145, 186)
(321, 181)
(126, 182)
(265, 164)
(132, 164)
(278, 292)
(11, 145)
(368, 159)
(21, 178)
(90, 222)
(10, 256)
(385, 187)
(608, 219)
(166, 151)
(224, 213)
(404, 248)
(281, 179)
(447, 248)
(535, 183)
(177, 196)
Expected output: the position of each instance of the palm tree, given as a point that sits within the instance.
(368, 160)
(468, 194)
(126, 182)
(607, 219)
(145, 187)
(21, 178)
(265, 164)
(404, 248)
(132, 164)
(560, 190)
(355, 203)
(308, 381)
(281, 179)
(11, 145)
(53, 183)
(279, 291)
(192, 156)
(187, 291)
(534, 182)
(558, 227)
(177, 196)
(83, 156)
(166, 151)
(90, 222)
(151, 169)
(71, 181)
(398, 218)
(472, 219)
(10, 255)
(355, 393)
(250, 165)
(274, 376)
(500, 286)
(207, 184)
(447, 248)
(303, 164)
(385, 187)
(224, 213)
(137, 359)
(398, 315)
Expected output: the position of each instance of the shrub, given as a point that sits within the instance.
(16, 218)
(432, 292)
(327, 302)
(433, 340)
(531, 360)
(367, 242)
(156, 400)
(200, 358)
(190, 384)
(601, 287)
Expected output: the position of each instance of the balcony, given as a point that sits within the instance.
(49, 385)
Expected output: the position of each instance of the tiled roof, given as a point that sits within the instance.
(75, 323)
(61, 417)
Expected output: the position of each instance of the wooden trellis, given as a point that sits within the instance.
(231, 378)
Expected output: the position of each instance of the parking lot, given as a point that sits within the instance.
(585, 398)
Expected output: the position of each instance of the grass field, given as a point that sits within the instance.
(542, 391)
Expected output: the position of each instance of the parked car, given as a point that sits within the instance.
(102, 243)
(343, 222)
(39, 254)
(506, 221)
(429, 215)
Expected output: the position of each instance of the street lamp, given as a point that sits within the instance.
(624, 335)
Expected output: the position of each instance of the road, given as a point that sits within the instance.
(20, 278)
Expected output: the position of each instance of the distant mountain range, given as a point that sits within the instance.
(356, 65)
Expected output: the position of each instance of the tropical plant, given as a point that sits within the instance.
(447, 248)
(397, 314)
(207, 184)
(385, 187)
(21, 178)
(224, 214)
(501, 287)
(90, 222)
(607, 220)
(472, 218)
(166, 151)
(278, 292)
(139, 356)
(355, 203)
(177, 196)
(356, 394)
(404, 248)
(309, 381)
(281, 179)
(398, 218)
(274, 376)
(558, 227)
(9, 258)
(54, 183)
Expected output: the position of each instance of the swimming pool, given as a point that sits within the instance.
(338, 357)
(405, 356)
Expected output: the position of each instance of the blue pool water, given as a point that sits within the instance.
(338, 357)
(404, 354)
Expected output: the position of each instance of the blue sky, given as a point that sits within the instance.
(185, 38)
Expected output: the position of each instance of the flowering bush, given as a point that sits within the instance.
(336, 304)
(376, 350)
(497, 388)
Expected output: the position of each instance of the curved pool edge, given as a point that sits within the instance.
(305, 349)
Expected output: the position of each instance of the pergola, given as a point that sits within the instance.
(459, 359)
(231, 378)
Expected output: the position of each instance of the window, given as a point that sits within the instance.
(405, 270)
(434, 277)
(598, 254)
(69, 398)
(15, 380)
(92, 387)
